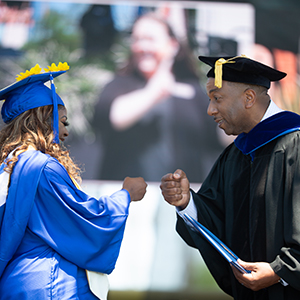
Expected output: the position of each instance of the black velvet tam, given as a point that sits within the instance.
(242, 69)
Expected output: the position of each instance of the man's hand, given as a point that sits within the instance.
(261, 276)
(175, 188)
(136, 187)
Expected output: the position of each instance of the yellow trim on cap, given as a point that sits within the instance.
(37, 70)
(33, 71)
(60, 67)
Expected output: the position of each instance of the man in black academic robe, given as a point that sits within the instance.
(250, 199)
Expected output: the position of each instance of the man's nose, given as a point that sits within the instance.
(211, 109)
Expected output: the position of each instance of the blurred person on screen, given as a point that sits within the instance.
(152, 115)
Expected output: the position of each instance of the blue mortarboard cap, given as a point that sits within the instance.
(241, 69)
(28, 93)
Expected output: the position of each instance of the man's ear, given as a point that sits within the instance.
(250, 97)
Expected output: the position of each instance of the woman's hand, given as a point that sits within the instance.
(136, 187)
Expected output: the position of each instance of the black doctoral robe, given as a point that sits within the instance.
(251, 201)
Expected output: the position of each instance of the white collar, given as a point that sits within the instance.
(271, 110)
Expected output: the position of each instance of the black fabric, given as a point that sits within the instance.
(244, 70)
(253, 206)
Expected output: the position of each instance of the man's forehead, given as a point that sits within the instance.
(210, 85)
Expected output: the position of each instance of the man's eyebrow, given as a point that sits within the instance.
(213, 90)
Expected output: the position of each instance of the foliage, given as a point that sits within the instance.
(56, 39)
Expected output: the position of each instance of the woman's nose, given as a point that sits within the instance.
(66, 132)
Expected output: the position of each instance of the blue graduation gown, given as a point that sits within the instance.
(51, 232)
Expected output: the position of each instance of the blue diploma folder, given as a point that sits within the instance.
(217, 244)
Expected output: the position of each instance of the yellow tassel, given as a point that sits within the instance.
(219, 69)
(218, 72)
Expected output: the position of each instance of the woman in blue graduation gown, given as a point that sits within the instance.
(51, 231)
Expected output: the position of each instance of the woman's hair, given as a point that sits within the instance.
(34, 128)
(183, 66)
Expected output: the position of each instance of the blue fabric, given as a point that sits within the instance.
(30, 93)
(59, 232)
(27, 94)
(55, 112)
(266, 131)
(17, 209)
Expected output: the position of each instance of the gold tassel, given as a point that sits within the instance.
(219, 68)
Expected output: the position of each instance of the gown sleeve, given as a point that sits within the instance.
(209, 203)
(284, 205)
(86, 231)
(210, 212)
